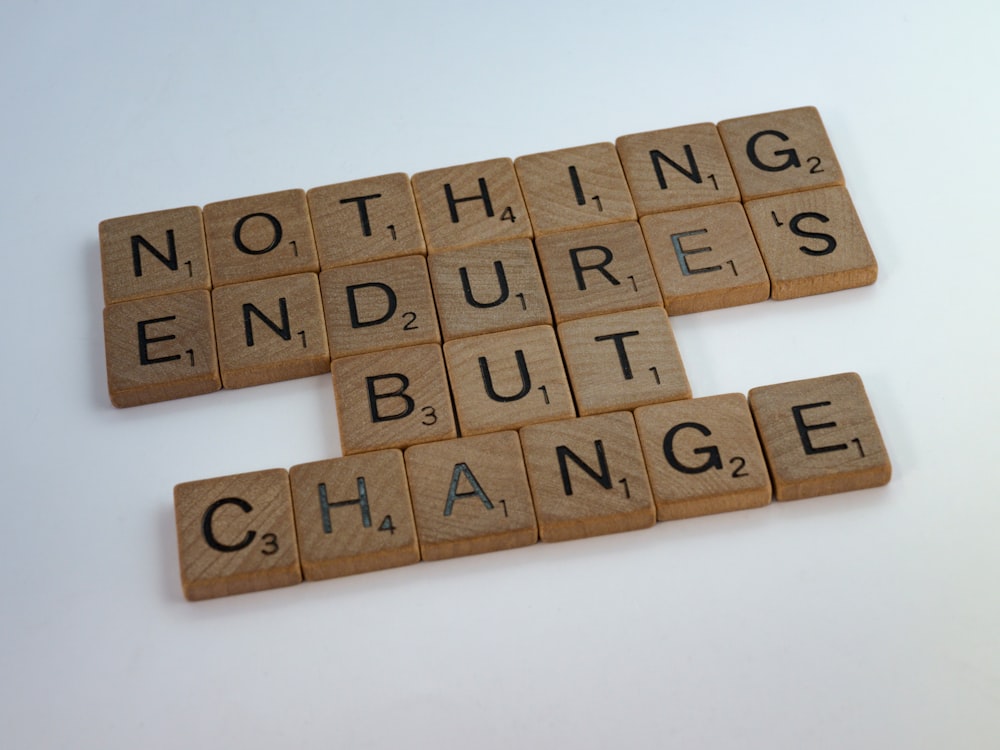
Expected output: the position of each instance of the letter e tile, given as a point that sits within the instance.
(236, 534)
(703, 456)
(353, 515)
(587, 477)
(470, 495)
(820, 436)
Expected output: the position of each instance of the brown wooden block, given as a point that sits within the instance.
(353, 515)
(471, 495)
(488, 288)
(504, 380)
(705, 258)
(259, 237)
(365, 220)
(623, 360)
(270, 330)
(597, 270)
(812, 243)
(703, 456)
(160, 348)
(574, 187)
(392, 399)
(380, 305)
(677, 168)
(780, 152)
(587, 477)
(153, 253)
(236, 534)
(820, 436)
(470, 204)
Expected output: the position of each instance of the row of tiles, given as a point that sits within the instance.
(552, 481)
(495, 200)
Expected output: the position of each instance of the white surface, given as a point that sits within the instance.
(868, 619)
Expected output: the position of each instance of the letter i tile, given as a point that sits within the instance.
(820, 436)
(470, 495)
(236, 534)
(353, 515)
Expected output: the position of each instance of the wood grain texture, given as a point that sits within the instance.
(379, 305)
(236, 534)
(353, 515)
(259, 237)
(392, 399)
(587, 477)
(623, 360)
(160, 252)
(470, 496)
(504, 380)
(364, 220)
(575, 187)
(705, 258)
(812, 243)
(488, 288)
(677, 168)
(780, 152)
(820, 436)
(470, 204)
(703, 456)
(270, 330)
(160, 348)
(597, 270)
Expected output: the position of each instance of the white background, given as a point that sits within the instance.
(869, 619)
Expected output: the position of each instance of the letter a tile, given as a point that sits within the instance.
(236, 534)
(353, 515)
(587, 477)
(703, 456)
(820, 436)
(470, 495)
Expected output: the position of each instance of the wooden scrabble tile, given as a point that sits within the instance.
(488, 288)
(623, 360)
(705, 258)
(587, 477)
(470, 204)
(259, 237)
(392, 399)
(365, 220)
(504, 380)
(236, 534)
(780, 152)
(703, 456)
(574, 187)
(677, 168)
(812, 242)
(270, 330)
(471, 495)
(353, 515)
(153, 253)
(597, 270)
(160, 348)
(379, 305)
(820, 436)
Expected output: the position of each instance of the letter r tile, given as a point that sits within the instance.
(820, 436)
(236, 534)
(470, 495)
